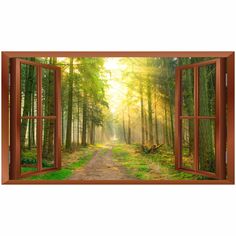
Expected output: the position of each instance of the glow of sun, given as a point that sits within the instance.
(116, 89)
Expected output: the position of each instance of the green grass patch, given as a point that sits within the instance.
(81, 162)
(27, 169)
(71, 162)
(158, 166)
(55, 175)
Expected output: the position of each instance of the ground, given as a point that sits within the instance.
(102, 167)
(116, 162)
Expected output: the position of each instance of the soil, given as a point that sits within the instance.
(101, 167)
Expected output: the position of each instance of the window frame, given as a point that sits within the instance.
(15, 118)
(219, 118)
(229, 55)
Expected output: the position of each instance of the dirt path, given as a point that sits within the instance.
(101, 167)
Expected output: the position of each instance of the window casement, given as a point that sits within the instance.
(44, 111)
(199, 117)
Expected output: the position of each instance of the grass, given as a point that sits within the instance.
(27, 169)
(70, 162)
(55, 175)
(159, 166)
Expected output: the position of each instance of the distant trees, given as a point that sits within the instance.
(70, 104)
(151, 83)
(84, 102)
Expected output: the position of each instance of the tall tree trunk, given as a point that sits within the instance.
(29, 78)
(156, 122)
(146, 126)
(163, 131)
(63, 126)
(33, 124)
(51, 108)
(74, 133)
(166, 126)
(129, 128)
(84, 124)
(142, 113)
(78, 121)
(124, 132)
(29, 134)
(92, 126)
(92, 133)
(169, 69)
(150, 128)
(171, 125)
(70, 99)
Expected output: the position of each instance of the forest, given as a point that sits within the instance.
(124, 106)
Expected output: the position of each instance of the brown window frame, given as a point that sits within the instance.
(15, 121)
(228, 55)
(219, 118)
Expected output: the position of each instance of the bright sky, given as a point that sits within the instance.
(116, 90)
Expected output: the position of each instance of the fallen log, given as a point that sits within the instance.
(153, 149)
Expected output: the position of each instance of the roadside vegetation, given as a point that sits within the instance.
(70, 163)
(157, 166)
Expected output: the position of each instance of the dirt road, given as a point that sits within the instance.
(101, 167)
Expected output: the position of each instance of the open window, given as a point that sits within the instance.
(35, 123)
(116, 103)
(200, 118)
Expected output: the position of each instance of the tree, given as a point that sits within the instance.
(28, 78)
(70, 99)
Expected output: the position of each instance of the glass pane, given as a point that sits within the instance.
(28, 84)
(187, 84)
(207, 90)
(48, 152)
(207, 161)
(28, 141)
(187, 143)
(48, 92)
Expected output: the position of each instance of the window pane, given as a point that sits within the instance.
(48, 92)
(187, 143)
(28, 143)
(48, 153)
(187, 82)
(207, 90)
(207, 161)
(28, 89)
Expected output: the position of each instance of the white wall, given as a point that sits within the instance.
(117, 25)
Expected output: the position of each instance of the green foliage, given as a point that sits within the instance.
(29, 157)
(28, 160)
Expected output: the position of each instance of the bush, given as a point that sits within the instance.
(30, 158)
